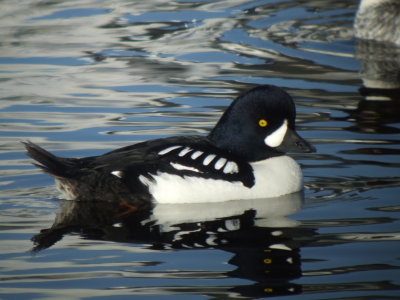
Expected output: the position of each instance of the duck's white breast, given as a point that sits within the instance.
(273, 177)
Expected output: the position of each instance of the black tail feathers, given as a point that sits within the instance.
(57, 166)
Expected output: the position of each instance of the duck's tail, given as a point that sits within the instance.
(56, 166)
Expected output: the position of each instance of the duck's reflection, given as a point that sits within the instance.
(376, 29)
(380, 73)
(264, 242)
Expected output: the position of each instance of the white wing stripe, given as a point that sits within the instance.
(184, 151)
(169, 149)
(196, 154)
(183, 167)
(208, 159)
(228, 167)
(220, 163)
(231, 168)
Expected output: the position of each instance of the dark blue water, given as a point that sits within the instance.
(84, 77)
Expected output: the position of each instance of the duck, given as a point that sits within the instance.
(243, 157)
(378, 20)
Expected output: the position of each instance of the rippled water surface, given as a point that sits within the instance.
(84, 77)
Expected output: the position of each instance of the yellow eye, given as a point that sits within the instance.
(262, 123)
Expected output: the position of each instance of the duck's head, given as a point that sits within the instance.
(260, 124)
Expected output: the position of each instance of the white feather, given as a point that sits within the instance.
(183, 167)
(184, 151)
(169, 149)
(231, 167)
(276, 138)
(196, 154)
(208, 159)
(220, 163)
(273, 177)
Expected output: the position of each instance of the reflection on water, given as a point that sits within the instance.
(84, 77)
(380, 64)
(264, 243)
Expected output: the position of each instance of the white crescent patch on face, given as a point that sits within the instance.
(276, 137)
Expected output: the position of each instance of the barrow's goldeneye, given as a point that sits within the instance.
(243, 157)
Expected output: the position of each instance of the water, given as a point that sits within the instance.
(84, 77)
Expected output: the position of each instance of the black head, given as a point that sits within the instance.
(260, 124)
